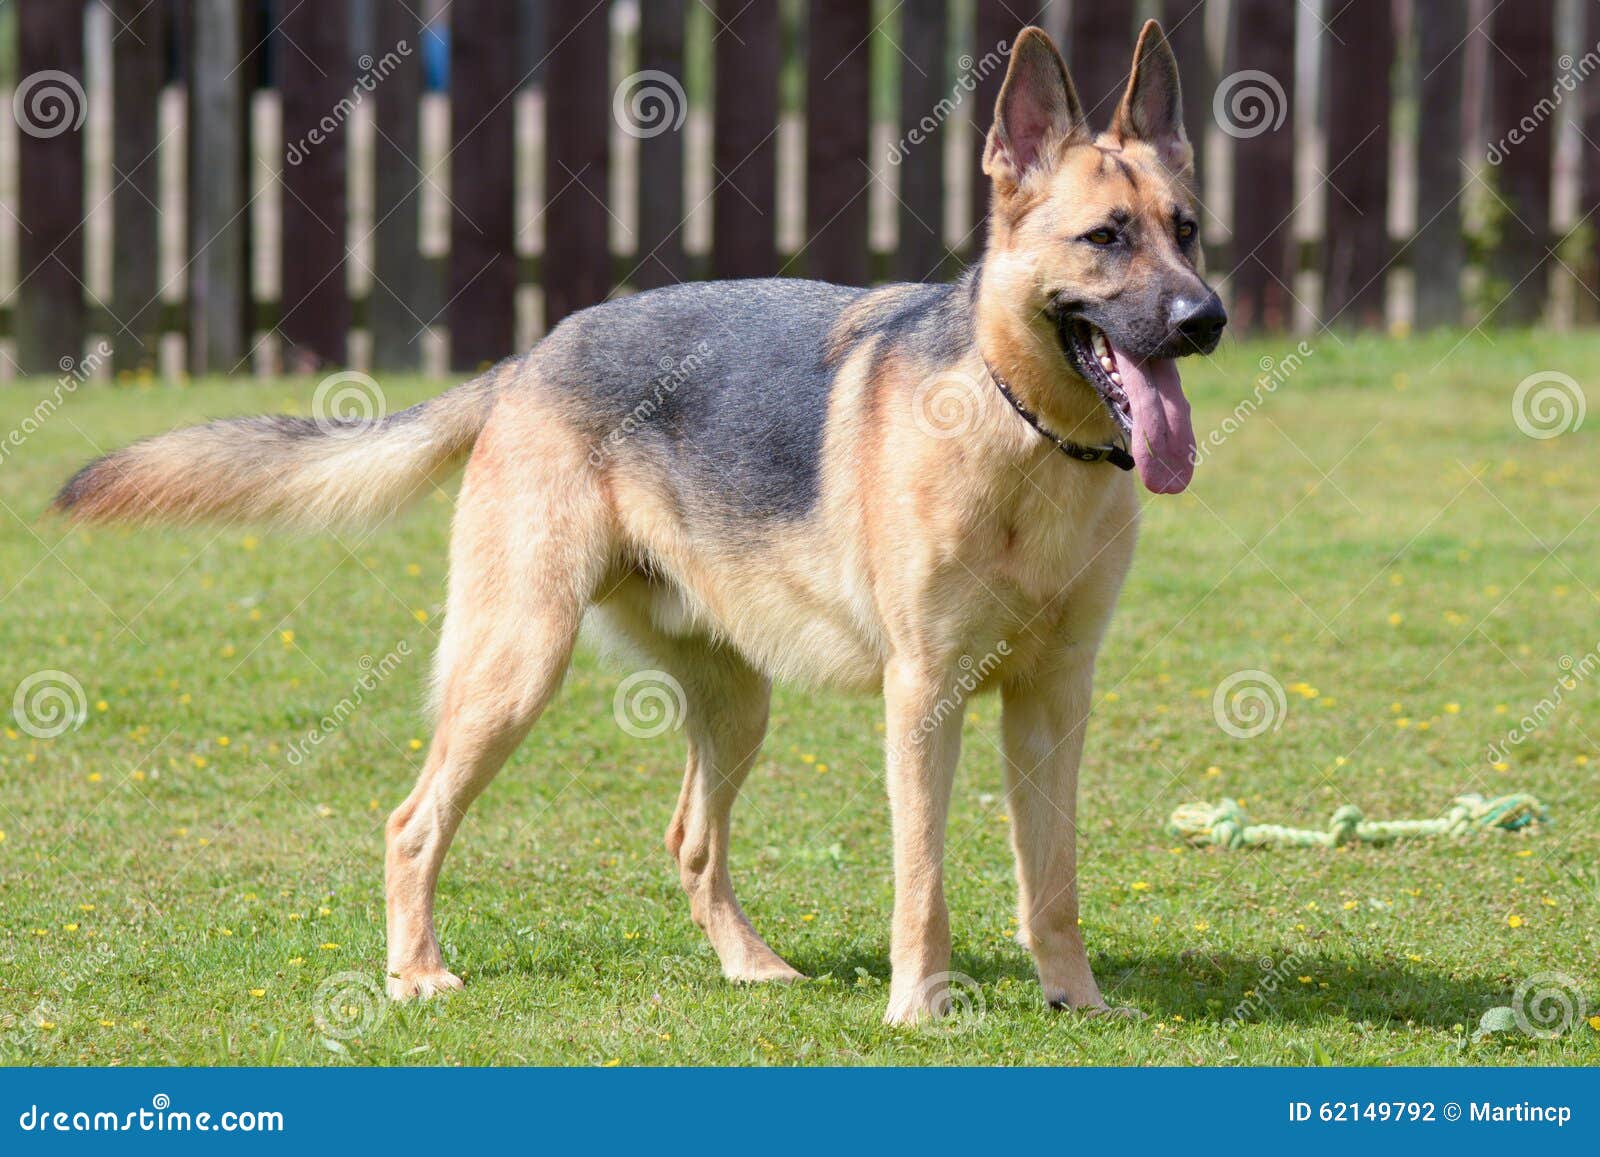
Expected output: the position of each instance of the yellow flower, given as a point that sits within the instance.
(1213, 771)
(95, 777)
(413, 569)
(258, 992)
(296, 961)
(1452, 709)
(415, 745)
(1140, 886)
(328, 946)
(1351, 905)
(70, 927)
(102, 705)
(420, 615)
(287, 638)
(1594, 1023)
(324, 911)
(1201, 925)
(1501, 765)
(1514, 920)
(223, 741)
(1396, 619)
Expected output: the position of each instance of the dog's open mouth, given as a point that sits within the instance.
(1144, 396)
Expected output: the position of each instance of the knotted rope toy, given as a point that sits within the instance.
(1226, 825)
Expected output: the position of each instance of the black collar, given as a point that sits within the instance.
(1116, 455)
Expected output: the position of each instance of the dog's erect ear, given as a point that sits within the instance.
(1152, 107)
(1037, 112)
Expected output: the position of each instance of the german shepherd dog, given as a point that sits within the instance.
(792, 502)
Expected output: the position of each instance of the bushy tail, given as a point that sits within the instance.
(303, 472)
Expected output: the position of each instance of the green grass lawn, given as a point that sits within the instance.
(182, 872)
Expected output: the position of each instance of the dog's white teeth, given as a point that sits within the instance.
(1107, 364)
(1101, 345)
(1116, 377)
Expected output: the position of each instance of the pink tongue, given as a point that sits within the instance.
(1163, 439)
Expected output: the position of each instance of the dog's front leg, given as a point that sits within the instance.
(923, 726)
(1043, 726)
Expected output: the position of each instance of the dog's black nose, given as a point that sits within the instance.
(1199, 322)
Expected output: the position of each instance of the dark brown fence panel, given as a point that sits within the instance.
(577, 255)
(1360, 57)
(51, 111)
(745, 150)
(996, 26)
(1437, 250)
(219, 220)
(1184, 22)
(658, 119)
(138, 68)
(398, 272)
(1099, 51)
(837, 118)
(1260, 117)
(482, 282)
(918, 155)
(314, 77)
(1522, 76)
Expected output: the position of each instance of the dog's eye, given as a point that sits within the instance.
(1187, 230)
(1101, 236)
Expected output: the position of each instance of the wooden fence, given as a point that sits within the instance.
(582, 137)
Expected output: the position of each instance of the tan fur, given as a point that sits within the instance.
(924, 555)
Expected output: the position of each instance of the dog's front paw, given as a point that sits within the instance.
(408, 983)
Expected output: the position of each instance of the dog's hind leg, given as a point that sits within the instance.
(727, 719)
(529, 545)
